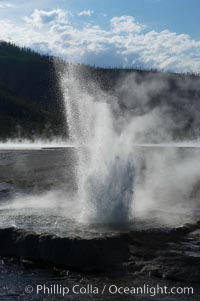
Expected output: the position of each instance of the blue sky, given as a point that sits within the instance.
(161, 34)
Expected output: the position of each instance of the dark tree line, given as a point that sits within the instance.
(30, 96)
(31, 103)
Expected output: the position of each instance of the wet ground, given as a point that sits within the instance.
(19, 279)
(40, 178)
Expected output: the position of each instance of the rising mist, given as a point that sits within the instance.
(131, 154)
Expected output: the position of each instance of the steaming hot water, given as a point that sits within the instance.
(107, 176)
(119, 172)
(119, 176)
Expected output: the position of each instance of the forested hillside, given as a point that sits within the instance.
(30, 98)
(31, 103)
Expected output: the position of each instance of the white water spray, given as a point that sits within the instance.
(119, 175)
(105, 169)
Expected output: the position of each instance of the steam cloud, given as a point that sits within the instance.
(137, 151)
(121, 171)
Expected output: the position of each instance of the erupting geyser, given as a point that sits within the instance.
(105, 165)
(126, 163)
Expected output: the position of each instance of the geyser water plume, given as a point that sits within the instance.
(128, 164)
(104, 167)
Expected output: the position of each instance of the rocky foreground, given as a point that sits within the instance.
(165, 253)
